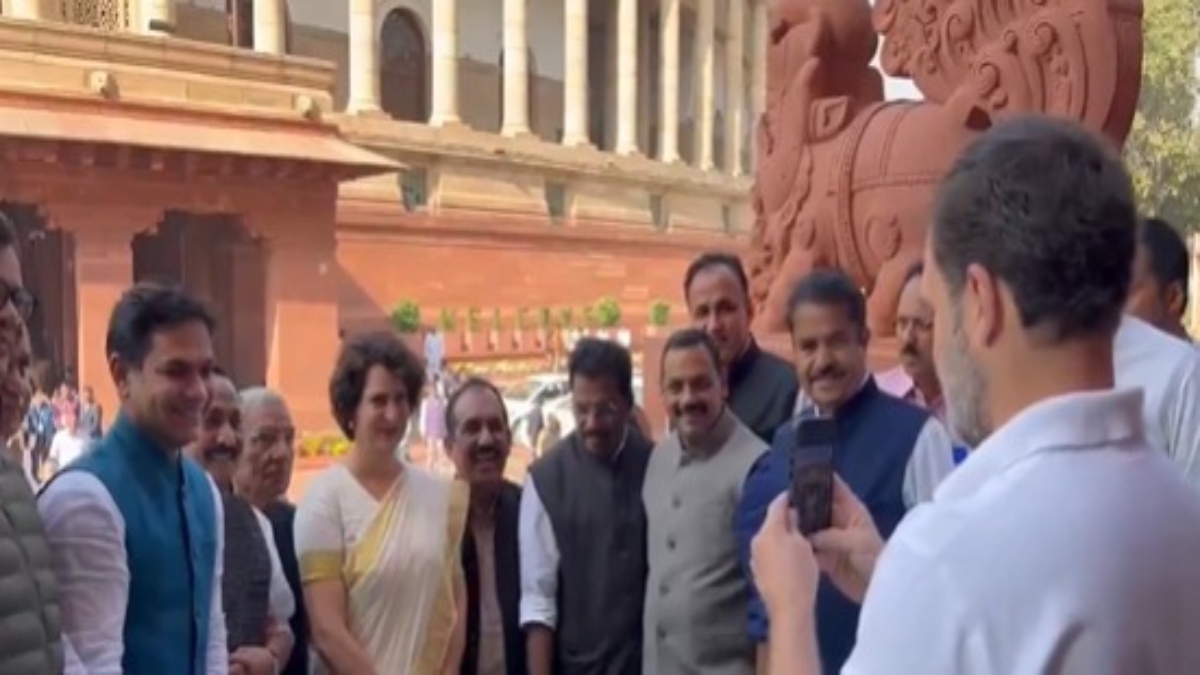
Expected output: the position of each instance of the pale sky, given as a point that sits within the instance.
(897, 89)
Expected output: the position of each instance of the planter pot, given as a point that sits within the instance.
(493, 340)
(543, 338)
(466, 341)
(518, 339)
(624, 337)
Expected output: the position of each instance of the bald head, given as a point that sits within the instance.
(270, 437)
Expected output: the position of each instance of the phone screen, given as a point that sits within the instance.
(812, 474)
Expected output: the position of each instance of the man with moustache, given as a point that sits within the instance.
(891, 453)
(694, 619)
(915, 380)
(263, 478)
(1067, 543)
(31, 643)
(583, 528)
(479, 439)
(256, 597)
(762, 387)
(134, 507)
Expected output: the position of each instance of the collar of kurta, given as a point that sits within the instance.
(1075, 422)
(712, 443)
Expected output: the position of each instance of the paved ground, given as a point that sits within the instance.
(517, 463)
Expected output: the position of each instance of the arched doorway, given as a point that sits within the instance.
(216, 258)
(403, 67)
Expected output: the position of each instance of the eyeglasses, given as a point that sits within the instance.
(23, 300)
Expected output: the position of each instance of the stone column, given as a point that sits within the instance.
(627, 77)
(364, 58)
(161, 12)
(269, 26)
(758, 65)
(735, 55)
(705, 88)
(516, 69)
(575, 76)
(301, 307)
(26, 9)
(668, 100)
(102, 234)
(445, 63)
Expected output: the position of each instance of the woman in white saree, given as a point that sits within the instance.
(378, 539)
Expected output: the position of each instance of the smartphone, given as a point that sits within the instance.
(812, 474)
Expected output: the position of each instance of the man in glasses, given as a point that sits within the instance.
(583, 528)
(29, 611)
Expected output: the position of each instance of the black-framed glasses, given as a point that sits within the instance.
(23, 300)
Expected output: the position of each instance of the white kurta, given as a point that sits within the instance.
(1066, 544)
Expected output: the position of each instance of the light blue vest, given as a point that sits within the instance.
(171, 547)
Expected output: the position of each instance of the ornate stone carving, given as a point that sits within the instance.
(846, 179)
(109, 15)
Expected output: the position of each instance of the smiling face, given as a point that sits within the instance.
(480, 440)
(269, 450)
(382, 416)
(914, 330)
(166, 393)
(830, 353)
(693, 390)
(719, 305)
(219, 444)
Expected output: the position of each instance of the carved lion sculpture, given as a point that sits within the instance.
(845, 179)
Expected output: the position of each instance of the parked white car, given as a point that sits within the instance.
(560, 408)
(521, 396)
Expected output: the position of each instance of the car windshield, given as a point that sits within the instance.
(522, 390)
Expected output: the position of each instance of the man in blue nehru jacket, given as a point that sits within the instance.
(890, 452)
(135, 528)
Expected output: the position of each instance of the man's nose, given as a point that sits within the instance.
(227, 436)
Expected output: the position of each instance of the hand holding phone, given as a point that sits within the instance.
(812, 474)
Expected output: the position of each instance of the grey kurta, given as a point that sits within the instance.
(696, 594)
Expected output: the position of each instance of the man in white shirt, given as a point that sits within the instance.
(135, 529)
(1158, 294)
(1066, 543)
(257, 600)
(69, 441)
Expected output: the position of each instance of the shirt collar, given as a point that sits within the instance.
(1078, 421)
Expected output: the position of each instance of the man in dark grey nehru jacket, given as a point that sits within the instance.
(583, 528)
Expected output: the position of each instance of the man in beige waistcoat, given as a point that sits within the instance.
(696, 595)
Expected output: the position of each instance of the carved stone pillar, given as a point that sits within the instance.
(758, 65)
(705, 75)
(269, 28)
(364, 58)
(301, 307)
(735, 100)
(668, 100)
(445, 63)
(516, 69)
(103, 270)
(160, 13)
(627, 77)
(575, 77)
(26, 9)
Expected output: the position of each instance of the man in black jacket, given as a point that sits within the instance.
(479, 439)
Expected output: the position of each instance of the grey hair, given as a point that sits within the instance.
(256, 397)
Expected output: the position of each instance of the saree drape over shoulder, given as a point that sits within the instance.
(398, 557)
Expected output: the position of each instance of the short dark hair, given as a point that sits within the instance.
(469, 384)
(691, 338)
(829, 288)
(1048, 208)
(596, 359)
(358, 355)
(712, 259)
(1166, 251)
(145, 309)
(8, 232)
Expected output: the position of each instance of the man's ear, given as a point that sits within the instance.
(982, 306)
(1176, 297)
(119, 371)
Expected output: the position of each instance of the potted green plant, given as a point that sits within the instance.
(607, 312)
(523, 324)
(447, 320)
(566, 318)
(545, 323)
(474, 327)
(406, 317)
(660, 316)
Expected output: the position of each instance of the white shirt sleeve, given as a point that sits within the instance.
(539, 560)
(283, 604)
(218, 650)
(71, 663)
(86, 534)
(1181, 418)
(931, 461)
(56, 447)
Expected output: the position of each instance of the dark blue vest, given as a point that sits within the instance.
(876, 435)
(171, 548)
